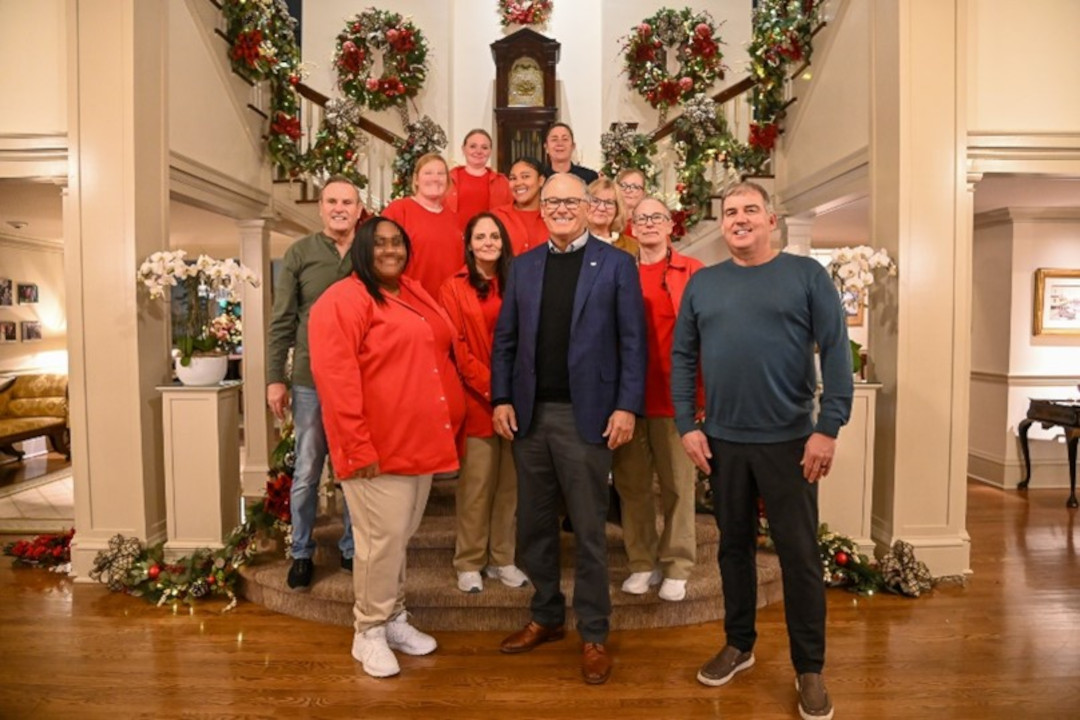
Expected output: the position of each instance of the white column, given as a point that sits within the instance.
(259, 434)
(797, 234)
(115, 214)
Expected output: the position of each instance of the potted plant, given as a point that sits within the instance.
(202, 347)
(853, 272)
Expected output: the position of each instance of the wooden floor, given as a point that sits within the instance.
(1005, 646)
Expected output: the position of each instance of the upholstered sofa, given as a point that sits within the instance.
(33, 406)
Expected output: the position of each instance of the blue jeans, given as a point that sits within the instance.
(310, 458)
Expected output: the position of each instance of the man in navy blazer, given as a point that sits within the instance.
(567, 380)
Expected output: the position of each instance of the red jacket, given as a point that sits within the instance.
(526, 228)
(462, 304)
(376, 370)
(677, 273)
(498, 189)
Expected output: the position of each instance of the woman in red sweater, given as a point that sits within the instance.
(487, 485)
(522, 217)
(381, 354)
(474, 187)
(431, 225)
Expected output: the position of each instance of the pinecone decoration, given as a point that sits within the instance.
(200, 588)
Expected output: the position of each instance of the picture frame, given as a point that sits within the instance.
(31, 331)
(8, 332)
(1057, 302)
(7, 292)
(28, 293)
(857, 318)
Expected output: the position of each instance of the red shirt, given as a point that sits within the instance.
(474, 319)
(438, 247)
(525, 227)
(388, 388)
(469, 194)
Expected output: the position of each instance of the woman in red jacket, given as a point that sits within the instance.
(522, 217)
(487, 486)
(381, 354)
(474, 187)
(431, 225)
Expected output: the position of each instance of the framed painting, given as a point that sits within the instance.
(1057, 302)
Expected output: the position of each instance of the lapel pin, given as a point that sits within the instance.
(593, 263)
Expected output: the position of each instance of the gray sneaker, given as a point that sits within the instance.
(814, 701)
(723, 667)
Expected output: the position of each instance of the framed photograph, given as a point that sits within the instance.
(31, 330)
(28, 294)
(856, 318)
(7, 292)
(1057, 302)
(7, 332)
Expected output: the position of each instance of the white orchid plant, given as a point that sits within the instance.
(853, 272)
(206, 279)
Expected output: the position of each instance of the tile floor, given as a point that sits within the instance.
(49, 507)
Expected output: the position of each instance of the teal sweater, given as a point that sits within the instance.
(754, 329)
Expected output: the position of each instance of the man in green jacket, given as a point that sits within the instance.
(311, 265)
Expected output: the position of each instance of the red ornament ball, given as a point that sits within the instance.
(348, 154)
(153, 571)
(842, 558)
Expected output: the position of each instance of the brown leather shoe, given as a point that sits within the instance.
(595, 664)
(530, 636)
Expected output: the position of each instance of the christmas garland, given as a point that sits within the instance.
(700, 139)
(404, 51)
(692, 36)
(52, 550)
(524, 12)
(422, 137)
(624, 148)
(337, 144)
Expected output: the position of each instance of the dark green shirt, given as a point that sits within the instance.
(311, 265)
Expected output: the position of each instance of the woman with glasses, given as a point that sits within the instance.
(487, 486)
(631, 186)
(382, 355)
(656, 445)
(521, 218)
(475, 187)
(606, 215)
(432, 226)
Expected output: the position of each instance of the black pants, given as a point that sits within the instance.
(740, 472)
(552, 461)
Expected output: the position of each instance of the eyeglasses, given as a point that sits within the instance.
(552, 204)
(609, 204)
(631, 187)
(655, 219)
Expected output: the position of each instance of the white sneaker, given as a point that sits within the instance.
(639, 583)
(509, 575)
(673, 590)
(469, 581)
(371, 650)
(400, 635)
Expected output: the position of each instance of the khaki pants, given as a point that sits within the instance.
(656, 446)
(486, 505)
(385, 512)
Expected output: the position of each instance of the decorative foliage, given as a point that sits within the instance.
(524, 12)
(51, 550)
(700, 139)
(227, 331)
(844, 566)
(129, 566)
(404, 59)
(422, 137)
(623, 148)
(337, 144)
(852, 272)
(902, 573)
(206, 280)
(692, 36)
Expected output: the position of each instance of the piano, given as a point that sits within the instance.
(1065, 413)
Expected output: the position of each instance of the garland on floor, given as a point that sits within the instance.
(51, 550)
(130, 566)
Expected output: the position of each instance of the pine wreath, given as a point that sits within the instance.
(694, 39)
(404, 59)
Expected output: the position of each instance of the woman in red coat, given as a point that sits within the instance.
(487, 485)
(381, 354)
(522, 217)
(431, 225)
(474, 187)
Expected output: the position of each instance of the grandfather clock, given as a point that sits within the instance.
(524, 94)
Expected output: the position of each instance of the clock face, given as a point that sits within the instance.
(526, 84)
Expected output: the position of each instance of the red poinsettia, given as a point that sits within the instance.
(50, 549)
(276, 502)
(285, 124)
(678, 221)
(246, 47)
(763, 136)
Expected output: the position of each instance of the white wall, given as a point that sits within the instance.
(33, 67)
(1023, 56)
(40, 263)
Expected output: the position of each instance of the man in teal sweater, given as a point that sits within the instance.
(753, 322)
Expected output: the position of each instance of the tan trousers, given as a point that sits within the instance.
(385, 512)
(486, 505)
(656, 446)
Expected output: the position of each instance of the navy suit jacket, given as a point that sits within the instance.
(608, 349)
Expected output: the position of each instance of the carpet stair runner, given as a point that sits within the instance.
(437, 605)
